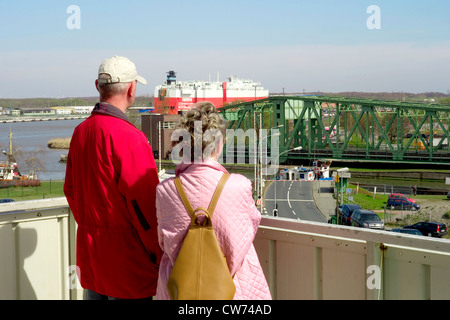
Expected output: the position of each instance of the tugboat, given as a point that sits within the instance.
(10, 175)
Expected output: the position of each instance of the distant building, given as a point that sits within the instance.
(16, 112)
(6, 111)
(81, 109)
(150, 126)
(62, 110)
(38, 112)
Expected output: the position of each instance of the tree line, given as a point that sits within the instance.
(42, 103)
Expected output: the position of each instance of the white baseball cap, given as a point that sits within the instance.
(120, 69)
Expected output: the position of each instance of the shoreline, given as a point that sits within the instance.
(11, 119)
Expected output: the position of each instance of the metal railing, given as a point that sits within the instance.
(307, 260)
(37, 251)
(301, 260)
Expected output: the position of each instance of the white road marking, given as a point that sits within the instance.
(289, 202)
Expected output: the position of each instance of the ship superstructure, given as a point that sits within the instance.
(175, 96)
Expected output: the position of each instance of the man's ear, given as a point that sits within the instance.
(132, 90)
(96, 85)
(131, 93)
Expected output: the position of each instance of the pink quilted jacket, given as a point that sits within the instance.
(235, 220)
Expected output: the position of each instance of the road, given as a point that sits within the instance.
(294, 200)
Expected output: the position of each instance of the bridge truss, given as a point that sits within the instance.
(348, 129)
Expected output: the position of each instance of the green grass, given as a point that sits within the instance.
(370, 202)
(366, 199)
(47, 189)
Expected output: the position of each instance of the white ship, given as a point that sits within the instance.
(175, 96)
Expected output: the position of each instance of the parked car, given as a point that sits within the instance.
(408, 231)
(431, 229)
(400, 201)
(345, 213)
(6, 200)
(366, 219)
(448, 195)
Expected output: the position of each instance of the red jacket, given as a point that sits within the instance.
(110, 185)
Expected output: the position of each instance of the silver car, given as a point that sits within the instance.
(366, 219)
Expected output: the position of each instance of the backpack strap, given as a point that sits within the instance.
(183, 196)
(216, 196)
(212, 204)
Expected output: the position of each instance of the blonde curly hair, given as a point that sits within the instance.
(206, 127)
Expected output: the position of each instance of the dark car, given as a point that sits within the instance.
(431, 229)
(400, 201)
(6, 200)
(366, 219)
(408, 231)
(345, 213)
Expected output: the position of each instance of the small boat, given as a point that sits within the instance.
(10, 175)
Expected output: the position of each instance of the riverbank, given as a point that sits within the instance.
(14, 119)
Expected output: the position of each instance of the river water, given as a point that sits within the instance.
(28, 136)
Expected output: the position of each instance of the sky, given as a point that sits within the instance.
(50, 49)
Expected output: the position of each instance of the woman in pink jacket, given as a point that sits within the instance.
(235, 219)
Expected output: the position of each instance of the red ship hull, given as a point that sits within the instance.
(174, 105)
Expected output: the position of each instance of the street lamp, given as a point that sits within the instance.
(275, 210)
(261, 162)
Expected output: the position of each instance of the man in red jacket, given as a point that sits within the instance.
(110, 186)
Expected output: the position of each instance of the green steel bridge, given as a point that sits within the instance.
(347, 129)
